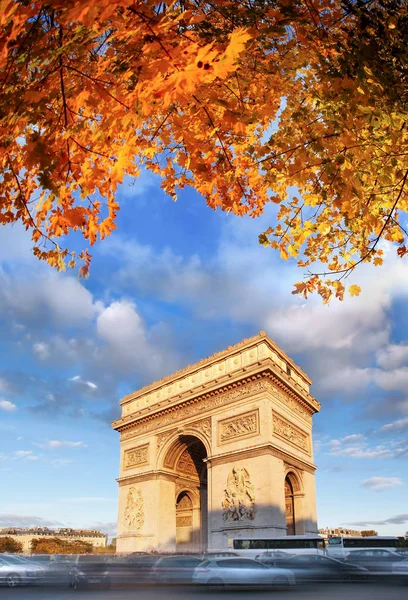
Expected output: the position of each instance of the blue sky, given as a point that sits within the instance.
(178, 282)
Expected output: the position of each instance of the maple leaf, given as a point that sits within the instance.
(354, 290)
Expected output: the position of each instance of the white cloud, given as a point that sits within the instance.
(65, 444)
(53, 444)
(357, 446)
(41, 350)
(90, 384)
(397, 520)
(7, 405)
(129, 346)
(13, 520)
(382, 483)
(396, 426)
(392, 356)
(354, 437)
(22, 453)
(47, 296)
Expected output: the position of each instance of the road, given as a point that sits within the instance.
(352, 591)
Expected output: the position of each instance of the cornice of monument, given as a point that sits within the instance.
(265, 370)
(209, 374)
(231, 350)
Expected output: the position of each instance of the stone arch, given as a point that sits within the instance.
(173, 442)
(294, 495)
(295, 480)
(183, 457)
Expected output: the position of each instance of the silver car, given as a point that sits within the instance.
(400, 569)
(241, 571)
(14, 572)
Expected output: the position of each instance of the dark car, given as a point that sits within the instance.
(90, 570)
(132, 569)
(378, 561)
(315, 567)
(175, 569)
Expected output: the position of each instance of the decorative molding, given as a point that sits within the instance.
(289, 401)
(186, 521)
(232, 362)
(203, 426)
(146, 476)
(239, 496)
(289, 433)
(188, 409)
(267, 449)
(134, 511)
(249, 344)
(161, 438)
(242, 426)
(136, 457)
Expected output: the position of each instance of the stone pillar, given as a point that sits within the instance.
(298, 503)
(165, 515)
(252, 488)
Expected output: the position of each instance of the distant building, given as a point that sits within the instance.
(326, 532)
(25, 536)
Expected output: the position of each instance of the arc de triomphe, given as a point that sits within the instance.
(220, 449)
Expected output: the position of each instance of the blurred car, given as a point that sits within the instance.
(241, 571)
(178, 568)
(89, 570)
(57, 566)
(315, 567)
(132, 569)
(400, 569)
(377, 561)
(220, 554)
(15, 572)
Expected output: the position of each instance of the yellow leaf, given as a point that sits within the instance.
(354, 290)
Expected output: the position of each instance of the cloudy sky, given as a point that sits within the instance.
(178, 282)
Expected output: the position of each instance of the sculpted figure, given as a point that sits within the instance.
(134, 511)
(239, 496)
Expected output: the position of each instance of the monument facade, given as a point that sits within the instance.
(219, 450)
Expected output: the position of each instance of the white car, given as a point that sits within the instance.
(18, 572)
(241, 571)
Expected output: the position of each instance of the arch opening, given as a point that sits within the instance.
(186, 459)
(290, 507)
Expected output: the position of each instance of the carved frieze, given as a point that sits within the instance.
(134, 511)
(243, 425)
(183, 412)
(185, 521)
(203, 426)
(290, 433)
(136, 456)
(239, 496)
(290, 402)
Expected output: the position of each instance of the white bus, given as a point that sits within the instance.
(291, 544)
(338, 546)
